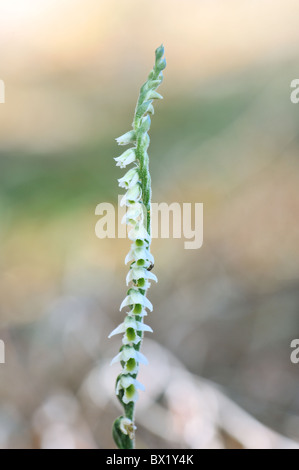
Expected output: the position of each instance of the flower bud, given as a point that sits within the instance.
(159, 52)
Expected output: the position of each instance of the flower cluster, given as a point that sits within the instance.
(137, 199)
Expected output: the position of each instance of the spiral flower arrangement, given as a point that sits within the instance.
(137, 199)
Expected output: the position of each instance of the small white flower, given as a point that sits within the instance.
(140, 273)
(126, 158)
(130, 322)
(130, 386)
(130, 327)
(134, 213)
(127, 138)
(134, 194)
(139, 253)
(128, 353)
(127, 427)
(135, 297)
(129, 179)
(138, 232)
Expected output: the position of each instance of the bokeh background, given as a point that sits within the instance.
(226, 134)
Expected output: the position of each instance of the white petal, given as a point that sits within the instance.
(133, 212)
(125, 381)
(127, 301)
(136, 297)
(141, 358)
(146, 285)
(129, 179)
(124, 355)
(119, 329)
(147, 304)
(123, 200)
(152, 276)
(139, 385)
(116, 358)
(143, 327)
(126, 158)
(138, 232)
(133, 194)
(131, 299)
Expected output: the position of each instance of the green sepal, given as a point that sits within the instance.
(143, 108)
(161, 65)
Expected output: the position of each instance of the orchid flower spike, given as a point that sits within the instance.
(137, 199)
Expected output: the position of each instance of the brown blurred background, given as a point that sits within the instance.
(226, 134)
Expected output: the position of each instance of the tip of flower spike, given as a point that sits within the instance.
(159, 52)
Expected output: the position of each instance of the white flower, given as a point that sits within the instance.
(139, 253)
(140, 273)
(130, 322)
(130, 327)
(130, 386)
(129, 179)
(126, 158)
(134, 212)
(134, 194)
(127, 427)
(138, 232)
(135, 297)
(127, 353)
(127, 138)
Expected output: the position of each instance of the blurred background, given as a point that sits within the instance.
(226, 135)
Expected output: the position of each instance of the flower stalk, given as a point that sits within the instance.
(137, 199)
